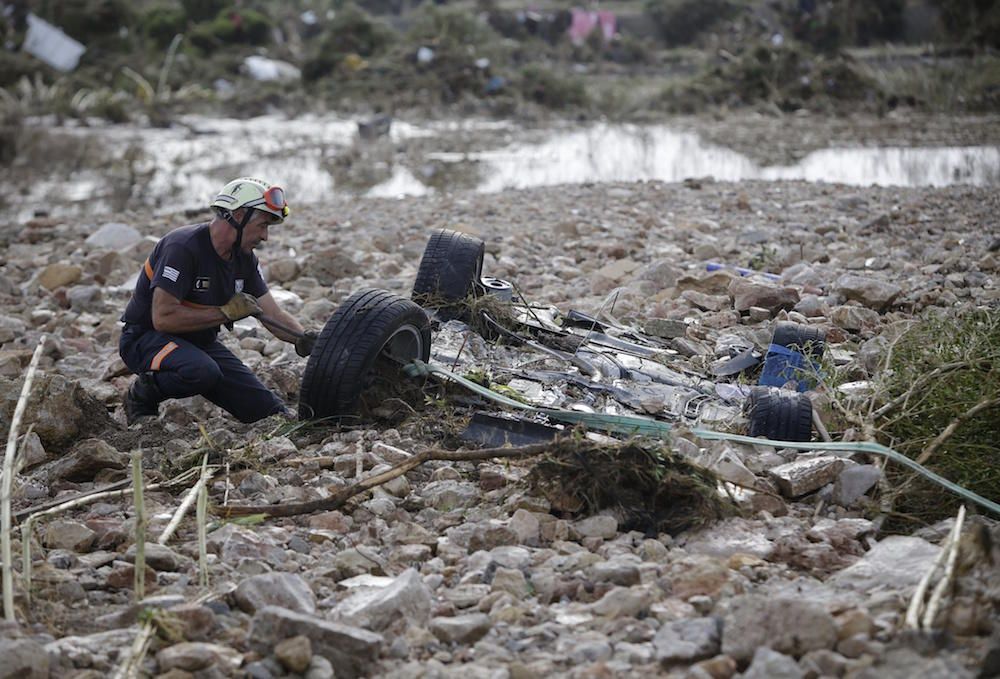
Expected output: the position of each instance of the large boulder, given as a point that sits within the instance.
(85, 460)
(873, 293)
(60, 408)
(286, 590)
(114, 236)
(790, 626)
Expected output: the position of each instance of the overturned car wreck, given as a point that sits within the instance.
(537, 358)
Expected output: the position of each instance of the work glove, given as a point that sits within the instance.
(304, 345)
(240, 306)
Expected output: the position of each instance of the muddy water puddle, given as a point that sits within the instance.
(177, 168)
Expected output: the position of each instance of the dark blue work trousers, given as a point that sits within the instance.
(181, 368)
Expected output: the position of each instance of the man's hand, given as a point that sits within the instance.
(304, 345)
(240, 306)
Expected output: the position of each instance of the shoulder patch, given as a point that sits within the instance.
(171, 273)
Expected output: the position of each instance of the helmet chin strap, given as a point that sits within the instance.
(239, 225)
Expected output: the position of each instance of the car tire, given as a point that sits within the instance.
(449, 273)
(370, 325)
(779, 414)
(802, 338)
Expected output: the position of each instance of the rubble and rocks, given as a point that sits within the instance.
(459, 568)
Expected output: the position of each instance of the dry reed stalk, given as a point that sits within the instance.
(949, 571)
(140, 525)
(201, 516)
(189, 499)
(7, 485)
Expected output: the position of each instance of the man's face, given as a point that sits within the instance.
(256, 230)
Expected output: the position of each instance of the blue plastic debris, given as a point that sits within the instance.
(783, 365)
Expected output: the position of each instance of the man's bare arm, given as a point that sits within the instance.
(170, 316)
(271, 308)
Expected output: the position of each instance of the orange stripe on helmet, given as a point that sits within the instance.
(162, 354)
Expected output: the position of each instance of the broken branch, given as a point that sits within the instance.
(339, 498)
(953, 425)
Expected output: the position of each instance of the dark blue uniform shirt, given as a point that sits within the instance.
(185, 264)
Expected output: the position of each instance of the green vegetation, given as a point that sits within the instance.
(484, 58)
(942, 409)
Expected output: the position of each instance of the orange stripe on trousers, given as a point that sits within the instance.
(163, 353)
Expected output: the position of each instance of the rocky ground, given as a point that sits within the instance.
(458, 569)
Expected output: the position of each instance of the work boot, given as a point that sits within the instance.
(142, 399)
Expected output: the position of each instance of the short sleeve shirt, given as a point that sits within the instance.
(185, 264)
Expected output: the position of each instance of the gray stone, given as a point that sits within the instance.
(904, 663)
(511, 581)
(58, 275)
(319, 668)
(804, 476)
(85, 298)
(687, 640)
(873, 293)
(706, 302)
(616, 571)
(622, 602)
(62, 412)
(23, 659)
(85, 460)
(407, 597)
(286, 590)
(69, 535)
(730, 536)
(277, 448)
(329, 266)
(114, 236)
(353, 651)
(159, 557)
(192, 656)
(467, 595)
(667, 328)
(461, 629)
(63, 651)
(32, 451)
(791, 626)
(895, 564)
(824, 663)
(294, 653)
(450, 494)
(768, 664)
(233, 543)
(854, 482)
(600, 526)
(810, 305)
(525, 526)
(854, 318)
(747, 293)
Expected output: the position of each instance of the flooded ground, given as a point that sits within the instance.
(175, 168)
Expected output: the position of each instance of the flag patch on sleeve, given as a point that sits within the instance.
(171, 273)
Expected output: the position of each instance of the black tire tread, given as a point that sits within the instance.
(805, 339)
(780, 416)
(450, 268)
(348, 346)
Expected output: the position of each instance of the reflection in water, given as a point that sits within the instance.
(629, 153)
(180, 167)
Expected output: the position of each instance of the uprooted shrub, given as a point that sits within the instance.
(679, 22)
(647, 486)
(944, 375)
(544, 87)
(787, 77)
(352, 32)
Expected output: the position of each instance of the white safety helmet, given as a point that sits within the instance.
(253, 193)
